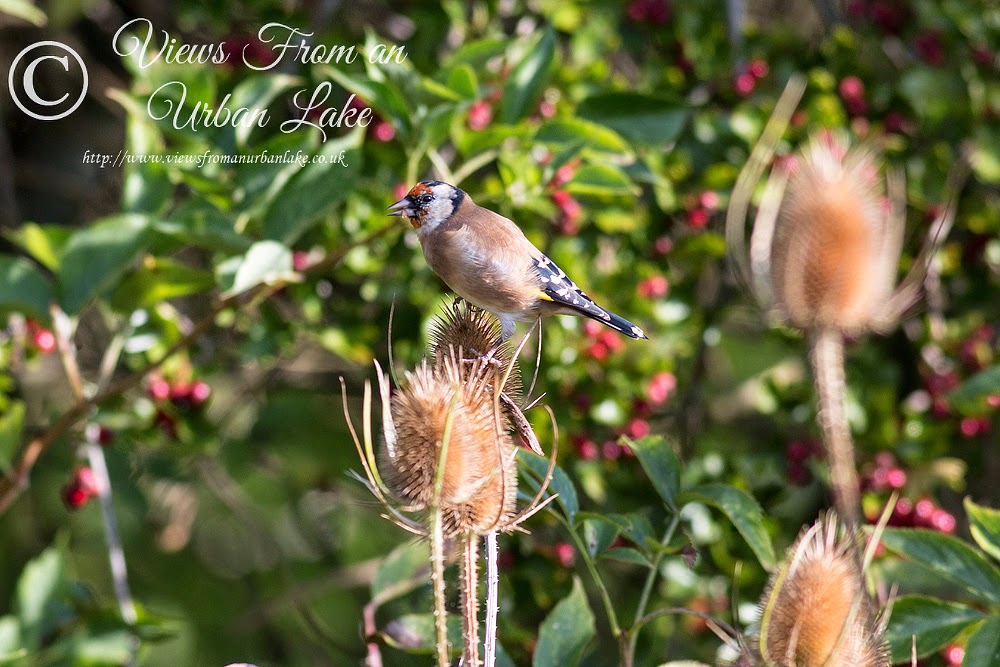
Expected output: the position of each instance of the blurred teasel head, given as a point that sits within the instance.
(827, 238)
(816, 611)
(837, 239)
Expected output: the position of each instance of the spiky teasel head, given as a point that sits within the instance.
(447, 444)
(816, 612)
(837, 242)
(464, 331)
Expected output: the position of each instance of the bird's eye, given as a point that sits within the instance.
(424, 199)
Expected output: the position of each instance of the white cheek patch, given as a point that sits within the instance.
(439, 209)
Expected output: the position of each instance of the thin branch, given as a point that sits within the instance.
(633, 633)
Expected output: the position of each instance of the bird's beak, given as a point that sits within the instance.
(402, 208)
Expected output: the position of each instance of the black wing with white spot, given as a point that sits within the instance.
(558, 288)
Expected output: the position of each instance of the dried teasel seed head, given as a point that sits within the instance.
(478, 478)
(816, 612)
(467, 332)
(836, 246)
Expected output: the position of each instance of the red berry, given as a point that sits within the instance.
(970, 427)
(660, 387)
(637, 428)
(546, 109)
(383, 131)
(757, 68)
(44, 340)
(698, 218)
(797, 451)
(930, 47)
(300, 260)
(180, 393)
(587, 450)
(565, 554)
(664, 245)
(105, 436)
(745, 84)
(592, 328)
(200, 391)
(159, 389)
(922, 512)
(798, 474)
(953, 655)
(563, 175)
(561, 197)
(611, 450)
(480, 115)
(709, 199)
(598, 351)
(942, 521)
(654, 287)
(895, 478)
(982, 55)
(74, 497)
(902, 514)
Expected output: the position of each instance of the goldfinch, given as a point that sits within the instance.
(486, 259)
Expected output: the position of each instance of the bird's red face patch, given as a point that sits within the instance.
(419, 189)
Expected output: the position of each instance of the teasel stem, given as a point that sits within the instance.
(469, 576)
(436, 528)
(826, 354)
(437, 583)
(492, 597)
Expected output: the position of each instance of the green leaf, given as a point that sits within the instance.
(476, 54)
(934, 622)
(567, 131)
(265, 262)
(39, 598)
(462, 80)
(24, 10)
(984, 523)
(985, 154)
(382, 97)
(528, 78)
(43, 242)
(661, 465)
(742, 510)
(10, 638)
(318, 187)
(983, 646)
(949, 558)
(566, 631)
(156, 281)
(94, 257)
(23, 287)
(414, 633)
(402, 564)
(971, 395)
(560, 484)
(257, 92)
(146, 183)
(628, 555)
(642, 119)
(598, 532)
(103, 647)
(601, 180)
(11, 427)
(934, 94)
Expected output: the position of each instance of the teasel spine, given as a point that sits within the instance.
(469, 578)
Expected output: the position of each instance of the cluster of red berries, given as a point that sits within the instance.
(570, 210)
(601, 342)
(886, 475)
(43, 339)
(171, 397)
(81, 487)
(746, 80)
(889, 16)
(480, 115)
(701, 212)
(924, 513)
(797, 456)
(588, 450)
(654, 287)
(649, 11)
